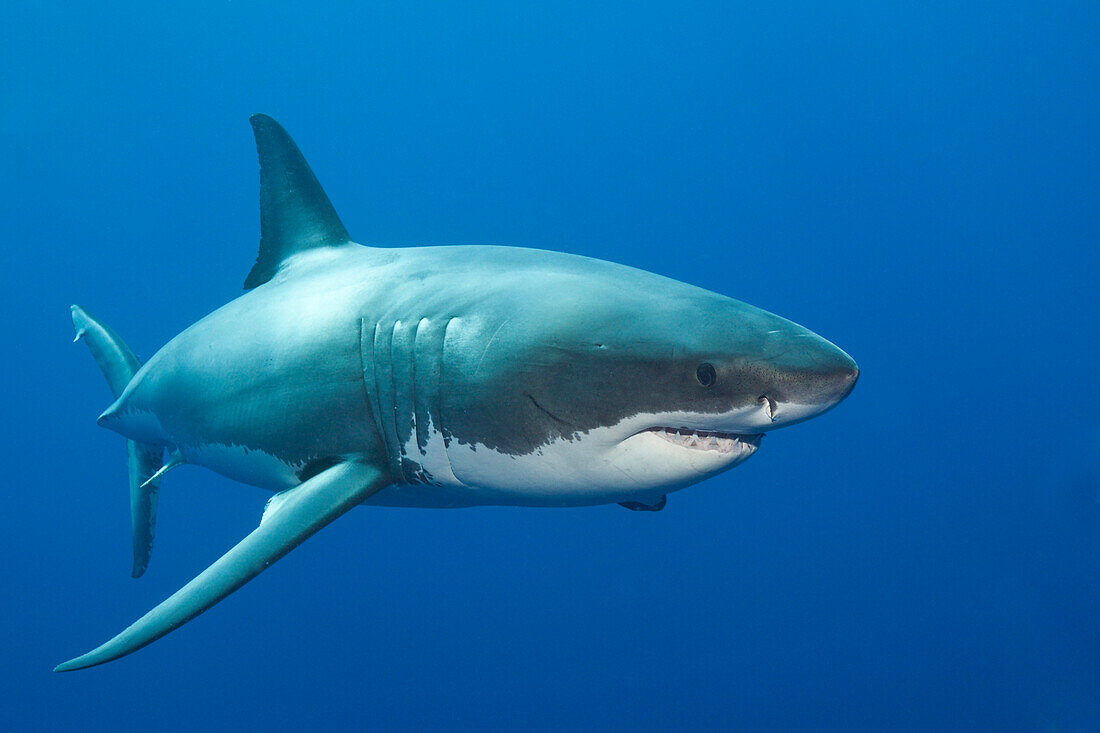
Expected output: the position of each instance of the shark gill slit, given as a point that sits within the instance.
(437, 352)
(413, 389)
(398, 448)
(424, 391)
(405, 344)
(383, 376)
(367, 370)
(396, 363)
(442, 385)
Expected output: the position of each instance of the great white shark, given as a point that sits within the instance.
(440, 377)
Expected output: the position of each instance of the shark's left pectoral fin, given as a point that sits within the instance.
(300, 512)
(639, 506)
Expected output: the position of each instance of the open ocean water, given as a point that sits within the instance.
(917, 182)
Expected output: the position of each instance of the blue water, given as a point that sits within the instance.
(917, 182)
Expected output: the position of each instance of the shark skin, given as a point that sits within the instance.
(448, 377)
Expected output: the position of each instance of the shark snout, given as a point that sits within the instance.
(800, 376)
(831, 376)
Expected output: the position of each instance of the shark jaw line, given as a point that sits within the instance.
(691, 443)
(709, 440)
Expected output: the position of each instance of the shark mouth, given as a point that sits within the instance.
(708, 440)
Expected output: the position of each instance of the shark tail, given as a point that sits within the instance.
(119, 364)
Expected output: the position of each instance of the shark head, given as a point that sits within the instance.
(605, 376)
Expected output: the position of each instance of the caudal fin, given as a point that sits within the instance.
(119, 365)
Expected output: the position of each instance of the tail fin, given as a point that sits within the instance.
(119, 365)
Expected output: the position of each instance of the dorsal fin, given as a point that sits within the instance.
(295, 213)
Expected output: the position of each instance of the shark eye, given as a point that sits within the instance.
(705, 374)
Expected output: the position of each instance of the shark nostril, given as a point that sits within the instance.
(769, 406)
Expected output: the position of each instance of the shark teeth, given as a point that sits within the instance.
(708, 440)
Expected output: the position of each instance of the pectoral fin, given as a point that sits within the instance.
(300, 512)
(637, 506)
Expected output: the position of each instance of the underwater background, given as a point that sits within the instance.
(917, 182)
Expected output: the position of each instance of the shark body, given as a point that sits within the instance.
(441, 377)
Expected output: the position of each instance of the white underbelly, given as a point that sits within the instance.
(540, 479)
(247, 465)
